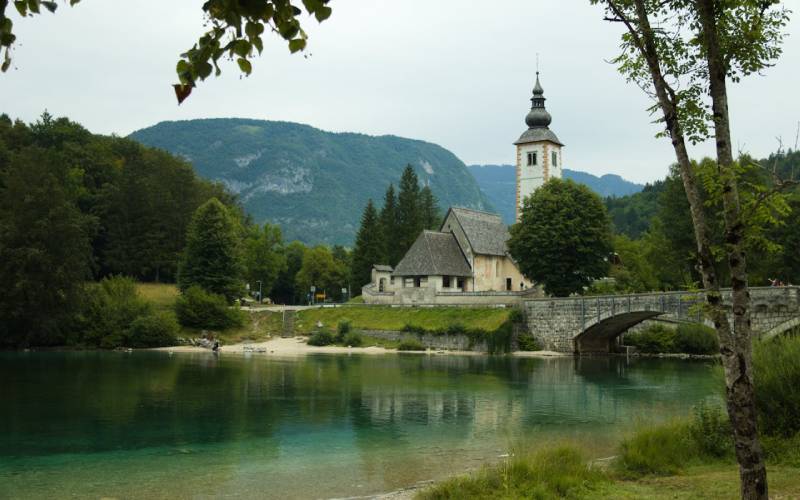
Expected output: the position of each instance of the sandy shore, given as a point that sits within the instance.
(296, 346)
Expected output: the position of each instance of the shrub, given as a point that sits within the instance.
(353, 339)
(410, 344)
(197, 308)
(456, 329)
(321, 338)
(416, 329)
(711, 431)
(527, 342)
(659, 450)
(696, 339)
(516, 316)
(153, 330)
(654, 339)
(109, 309)
(343, 328)
(776, 373)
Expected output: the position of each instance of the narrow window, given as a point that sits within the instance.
(508, 284)
(445, 281)
(555, 159)
(460, 284)
(532, 158)
(496, 268)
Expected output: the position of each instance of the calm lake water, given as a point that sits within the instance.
(147, 424)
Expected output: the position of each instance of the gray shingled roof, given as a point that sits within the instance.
(537, 134)
(434, 254)
(487, 233)
(382, 267)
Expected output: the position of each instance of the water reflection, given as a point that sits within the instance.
(359, 421)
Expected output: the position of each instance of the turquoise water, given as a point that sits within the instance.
(195, 425)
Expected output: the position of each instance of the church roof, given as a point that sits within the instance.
(434, 254)
(486, 232)
(382, 267)
(538, 134)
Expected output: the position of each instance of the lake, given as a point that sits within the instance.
(151, 424)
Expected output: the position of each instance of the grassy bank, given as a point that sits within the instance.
(395, 318)
(257, 326)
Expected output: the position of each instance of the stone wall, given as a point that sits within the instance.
(445, 342)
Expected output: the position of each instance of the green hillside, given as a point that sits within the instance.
(313, 183)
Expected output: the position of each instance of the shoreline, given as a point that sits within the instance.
(296, 346)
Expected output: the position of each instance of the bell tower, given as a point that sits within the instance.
(538, 149)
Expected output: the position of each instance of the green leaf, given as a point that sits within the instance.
(258, 44)
(296, 45)
(245, 65)
(203, 69)
(51, 6)
(323, 13)
(241, 48)
(253, 29)
(33, 6)
(22, 7)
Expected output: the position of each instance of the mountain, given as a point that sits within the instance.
(313, 183)
(498, 183)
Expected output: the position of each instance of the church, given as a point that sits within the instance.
(467, 261)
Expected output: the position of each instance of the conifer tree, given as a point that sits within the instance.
(368, 248)
(211, 259)
(408, 213)
(388, 229)
(429, 209)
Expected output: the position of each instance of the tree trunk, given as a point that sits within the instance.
(736, 352)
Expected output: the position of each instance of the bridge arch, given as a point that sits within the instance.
(781, 328)
(599, 336)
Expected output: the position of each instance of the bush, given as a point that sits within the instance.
(197, 308)
(527, 342)
(321, 338)
(153, 330)
(654, 339)
(776, 373)
(416, 329)
(353, 339)
(711, 432)
(696, 339)
(661, 450)
(516, 316)
(410, 344)
(342, 329)
(109, 309)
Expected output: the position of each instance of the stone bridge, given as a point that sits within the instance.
(593, 324)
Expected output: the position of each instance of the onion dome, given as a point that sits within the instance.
(538, 115)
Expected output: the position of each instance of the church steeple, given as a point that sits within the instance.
(538, 115)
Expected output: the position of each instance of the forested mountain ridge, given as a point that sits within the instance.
(312, 183)
(498, 183)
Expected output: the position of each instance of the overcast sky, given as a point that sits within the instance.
(457, 73)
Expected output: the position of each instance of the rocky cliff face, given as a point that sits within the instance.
(313, 183)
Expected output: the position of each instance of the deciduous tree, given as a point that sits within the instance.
(563, 238)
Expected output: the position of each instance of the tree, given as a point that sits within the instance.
(563, 238)
(320, 270)
(429, 209)
(45, 251)
(389, 228)
(368, 248)
(285, 290)
(264, 259)
(212, 258)
(409, 223)
(235, 30)
(696, 46)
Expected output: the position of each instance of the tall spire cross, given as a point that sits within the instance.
(537, 63)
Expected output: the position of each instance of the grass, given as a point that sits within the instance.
(161, 295)
(395, 318)
(257, 326)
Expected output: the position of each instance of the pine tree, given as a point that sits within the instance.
(211, 259)
(408, 213)
(368, 249)
(388, 229)
(429, 209)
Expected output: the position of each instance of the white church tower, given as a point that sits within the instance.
(538, 149)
